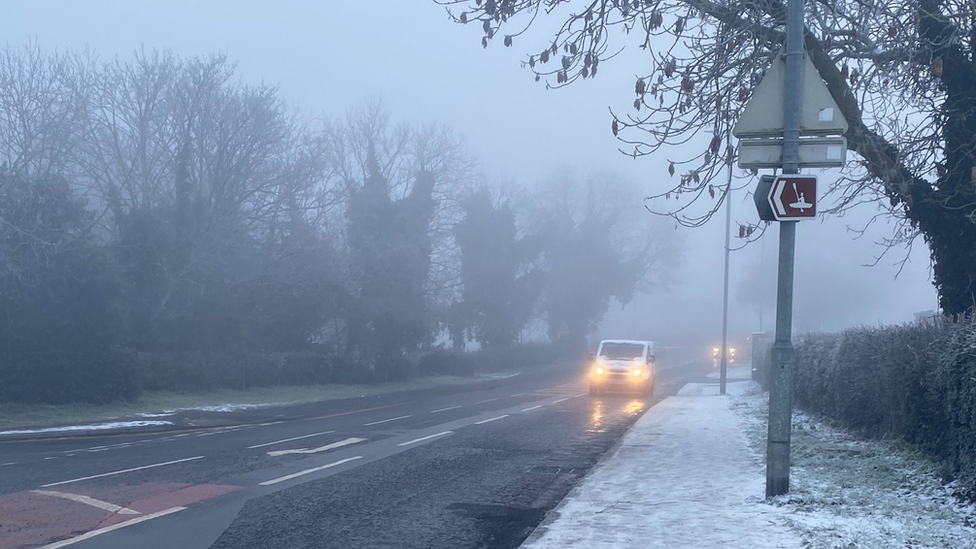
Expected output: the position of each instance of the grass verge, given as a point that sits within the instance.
(15, 415)
(846, 492)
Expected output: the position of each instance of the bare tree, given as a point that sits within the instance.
(40, 100)
(902, 72)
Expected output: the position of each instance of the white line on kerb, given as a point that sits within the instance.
(486, 400)
(530, 408)
(121, 472)
(560, 400)
(100, 531)
(385, 421)
(482, 422)
(421, 439)
(445, 409)
(308, 471)
(327, 447)
(289, 440)
(104, 505)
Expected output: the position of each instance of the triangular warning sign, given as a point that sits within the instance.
(763, 115)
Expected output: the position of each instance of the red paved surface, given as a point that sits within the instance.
(32, 520)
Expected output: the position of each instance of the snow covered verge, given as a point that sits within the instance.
(865, 494)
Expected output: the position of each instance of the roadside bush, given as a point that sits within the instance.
(60, 377)
(446, 362)
(916, 382)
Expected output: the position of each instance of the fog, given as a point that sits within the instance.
(327, 57)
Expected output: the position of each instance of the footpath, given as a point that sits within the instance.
(690, 474)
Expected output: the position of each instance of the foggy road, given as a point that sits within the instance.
(456, 467)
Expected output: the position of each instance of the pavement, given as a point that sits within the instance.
(451, 467)
(684, 476)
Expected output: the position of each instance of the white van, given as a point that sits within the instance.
(624, 365)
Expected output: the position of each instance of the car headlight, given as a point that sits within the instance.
(598, 370)
(637, 372)
(715, 350)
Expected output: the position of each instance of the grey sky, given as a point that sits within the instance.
(329, 55)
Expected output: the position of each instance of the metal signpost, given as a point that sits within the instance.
(791, 101)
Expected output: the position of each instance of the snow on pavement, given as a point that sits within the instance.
(684, 476)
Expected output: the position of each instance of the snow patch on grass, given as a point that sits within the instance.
(93, 427)
(865, 494)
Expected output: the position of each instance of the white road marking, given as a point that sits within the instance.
(8, 463)
(327, 447)
(486, 400)
(308, 471)
(121, 472)
(421, 439)
(482, 422)
(289, 440)
(100, 531)
(530, 408)
(50, 457)
(445, 409)
(560, 400)
(579, 395)
(385, 421)
(110, 507)
(517, 395)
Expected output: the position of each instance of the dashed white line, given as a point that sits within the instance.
(289, 440)
(50, 457)
(421, 439)
(104, 505)
(309, 471)
(560, 400)
(487, 400)
(8, 463)
(517, 395)
(100, 531)
(385, 421)
(482, 422)
(445, 409)
(579, 395)
(121, 472)
(327, 447)
(530, 408)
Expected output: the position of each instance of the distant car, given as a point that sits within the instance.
(624, 365)
(717, 354)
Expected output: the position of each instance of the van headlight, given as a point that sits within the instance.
(598, 371)
(637, 371)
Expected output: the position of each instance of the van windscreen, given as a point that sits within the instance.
(621, 351)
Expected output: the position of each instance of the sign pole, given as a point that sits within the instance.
(781, 377)
(723, 370)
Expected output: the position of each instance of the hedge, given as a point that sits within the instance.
(915, 382)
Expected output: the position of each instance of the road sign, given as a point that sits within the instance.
(794, 197)
(763, 114)
(761, 198)
(815, 152)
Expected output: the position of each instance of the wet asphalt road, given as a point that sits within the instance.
(456, 467)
